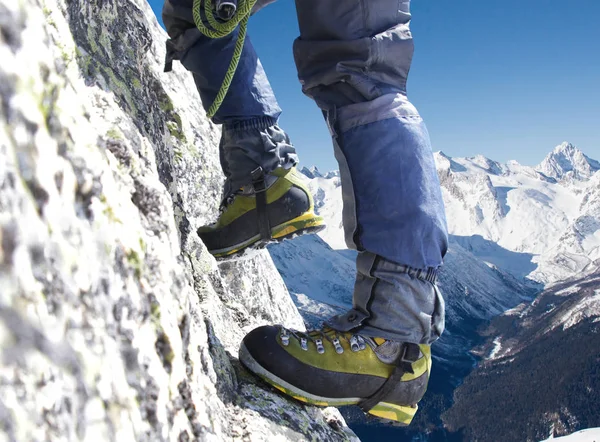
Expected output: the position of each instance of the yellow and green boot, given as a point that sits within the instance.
(276, 206)
(329, 368)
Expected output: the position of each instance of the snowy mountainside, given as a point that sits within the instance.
(327, 193)
(549, 215)
(473, 289)
(548, 211)
(319, 278)
(579, 244)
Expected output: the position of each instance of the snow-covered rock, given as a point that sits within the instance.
(578, 245)
(566, 162)
(525, 210)
(115, 322)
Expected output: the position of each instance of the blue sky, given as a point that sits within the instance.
(507, 79)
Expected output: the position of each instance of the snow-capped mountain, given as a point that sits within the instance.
(578, 245)
(313, 172)
(507, 222)
(566, 162)
(538, 211)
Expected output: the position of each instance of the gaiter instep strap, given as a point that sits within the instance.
(260, 191)
(408, 354)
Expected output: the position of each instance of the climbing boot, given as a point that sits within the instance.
(275, 206)
(330, 368)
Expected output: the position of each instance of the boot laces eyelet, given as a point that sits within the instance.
(361, 343)
(354, 345)
(338, 347)
(319, 344)
(285, 337)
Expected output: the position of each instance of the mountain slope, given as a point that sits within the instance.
(500, 212)
(542, 372)
(579, 243)
(521, 209)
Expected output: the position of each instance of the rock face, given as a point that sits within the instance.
(115, 322)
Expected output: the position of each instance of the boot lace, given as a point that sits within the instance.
(318, 336)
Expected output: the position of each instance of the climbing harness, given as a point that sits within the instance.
(231, 13)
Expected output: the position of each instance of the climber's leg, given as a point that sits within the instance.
(249, 113)
(353, 59)
(256, 154)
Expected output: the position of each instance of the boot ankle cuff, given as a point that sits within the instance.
(251, 123)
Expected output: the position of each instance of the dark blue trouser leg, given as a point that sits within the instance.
(249, 113)
(353, 59)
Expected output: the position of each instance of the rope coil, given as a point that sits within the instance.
(218, 29)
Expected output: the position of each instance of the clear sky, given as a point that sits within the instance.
(508, 79)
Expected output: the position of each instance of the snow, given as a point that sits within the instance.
(496, 349)
(589, 435)
(327, 193)
(518, 209)
(587, 308)
(309, 266)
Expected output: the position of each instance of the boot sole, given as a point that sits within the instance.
(302, 225)
(400, 415)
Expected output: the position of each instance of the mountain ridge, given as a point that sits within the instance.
(562, 159)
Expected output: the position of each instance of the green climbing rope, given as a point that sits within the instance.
(218, 29)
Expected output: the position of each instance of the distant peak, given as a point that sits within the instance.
(566, 161)
(488, 165)
(314, 172)
(565, 147)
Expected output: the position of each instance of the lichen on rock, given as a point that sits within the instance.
(115, 322)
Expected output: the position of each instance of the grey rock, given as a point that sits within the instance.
(115, 322)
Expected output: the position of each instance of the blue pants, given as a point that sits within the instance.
(353, 59)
